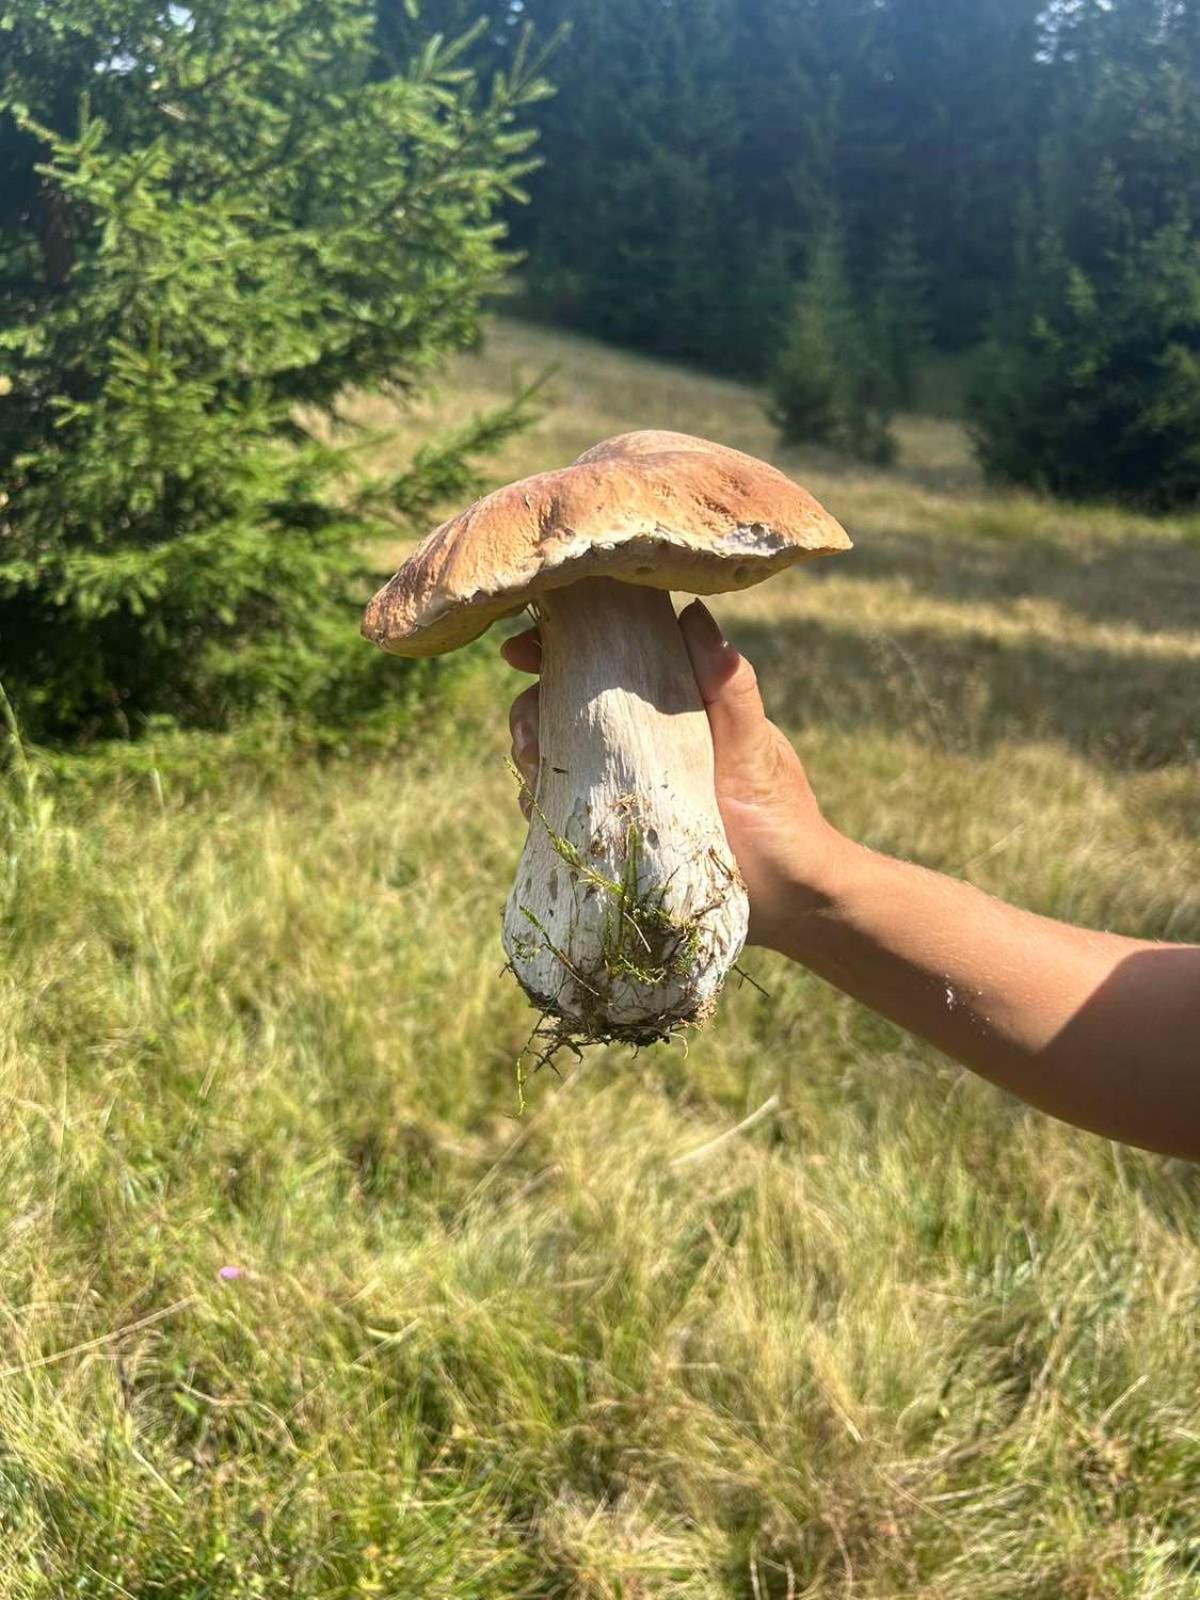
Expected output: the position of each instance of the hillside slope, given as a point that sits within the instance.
(291, 1302)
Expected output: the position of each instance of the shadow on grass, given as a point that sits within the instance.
(1149, 584)
(968, 692)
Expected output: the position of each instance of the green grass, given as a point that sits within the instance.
(901, 1338)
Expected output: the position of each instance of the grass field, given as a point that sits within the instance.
(900, 1338)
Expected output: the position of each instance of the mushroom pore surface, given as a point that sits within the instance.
(627, 911)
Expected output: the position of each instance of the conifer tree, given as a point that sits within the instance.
(1091, 385)
(625, 233)
(210, 218)
(937, 130)
(900, 322)
(827, 384)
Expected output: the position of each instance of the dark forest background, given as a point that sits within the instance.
(217, 221)
(961, 174)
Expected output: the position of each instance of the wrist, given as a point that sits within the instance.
(813, 894)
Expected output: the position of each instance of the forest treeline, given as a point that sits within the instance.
(216, 220)
(981, 172)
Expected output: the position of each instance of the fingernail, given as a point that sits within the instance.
(704, 626)
(524, 739)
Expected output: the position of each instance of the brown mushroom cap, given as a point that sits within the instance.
(660, 509)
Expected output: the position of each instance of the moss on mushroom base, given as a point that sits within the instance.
(645, 947)
(628, 911)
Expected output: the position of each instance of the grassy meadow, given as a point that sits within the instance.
(899, 1338)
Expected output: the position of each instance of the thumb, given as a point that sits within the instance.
(741, 734)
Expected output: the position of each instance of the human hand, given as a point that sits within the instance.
(785, 850)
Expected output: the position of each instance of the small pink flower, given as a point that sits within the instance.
(229, 1273)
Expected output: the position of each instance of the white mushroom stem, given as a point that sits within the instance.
(627, 911)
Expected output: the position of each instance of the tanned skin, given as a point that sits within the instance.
(1099, 1030)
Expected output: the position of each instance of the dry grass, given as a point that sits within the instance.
(904, 1339)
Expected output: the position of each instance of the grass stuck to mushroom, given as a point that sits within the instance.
(643, 942)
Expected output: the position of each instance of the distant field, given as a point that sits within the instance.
(903, 1339)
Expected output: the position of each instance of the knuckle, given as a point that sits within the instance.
(780, 760)
(745, 674)
(742, 683)
(764, 771)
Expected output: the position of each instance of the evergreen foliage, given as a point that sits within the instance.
(827, 384)
(900, 324)
(1091, 383)
(996, 165)
(630, 238)
(697, 147)
(688, 164)
(211, 218)
(940, 107)
(695, 150)
(1093, 391)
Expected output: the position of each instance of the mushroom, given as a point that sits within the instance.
(627, 911)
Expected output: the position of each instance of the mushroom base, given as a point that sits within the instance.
(627, 911)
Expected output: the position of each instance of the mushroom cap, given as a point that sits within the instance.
(660, 509)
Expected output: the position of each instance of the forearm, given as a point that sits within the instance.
(1100, 1030)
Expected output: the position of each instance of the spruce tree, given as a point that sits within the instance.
(1091, 385)
(937, 129)
(627, 233)
(901, 319)
(213, 217)
(697, 147)
(1091, 388)
(827, 384)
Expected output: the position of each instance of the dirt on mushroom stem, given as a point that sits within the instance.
(628, 910)
(641, 941)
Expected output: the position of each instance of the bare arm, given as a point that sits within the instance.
(1097, 1029)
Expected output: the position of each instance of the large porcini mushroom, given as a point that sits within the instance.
(627, 911)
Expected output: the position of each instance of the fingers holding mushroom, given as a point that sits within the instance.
(523, 726)
(523, 651)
